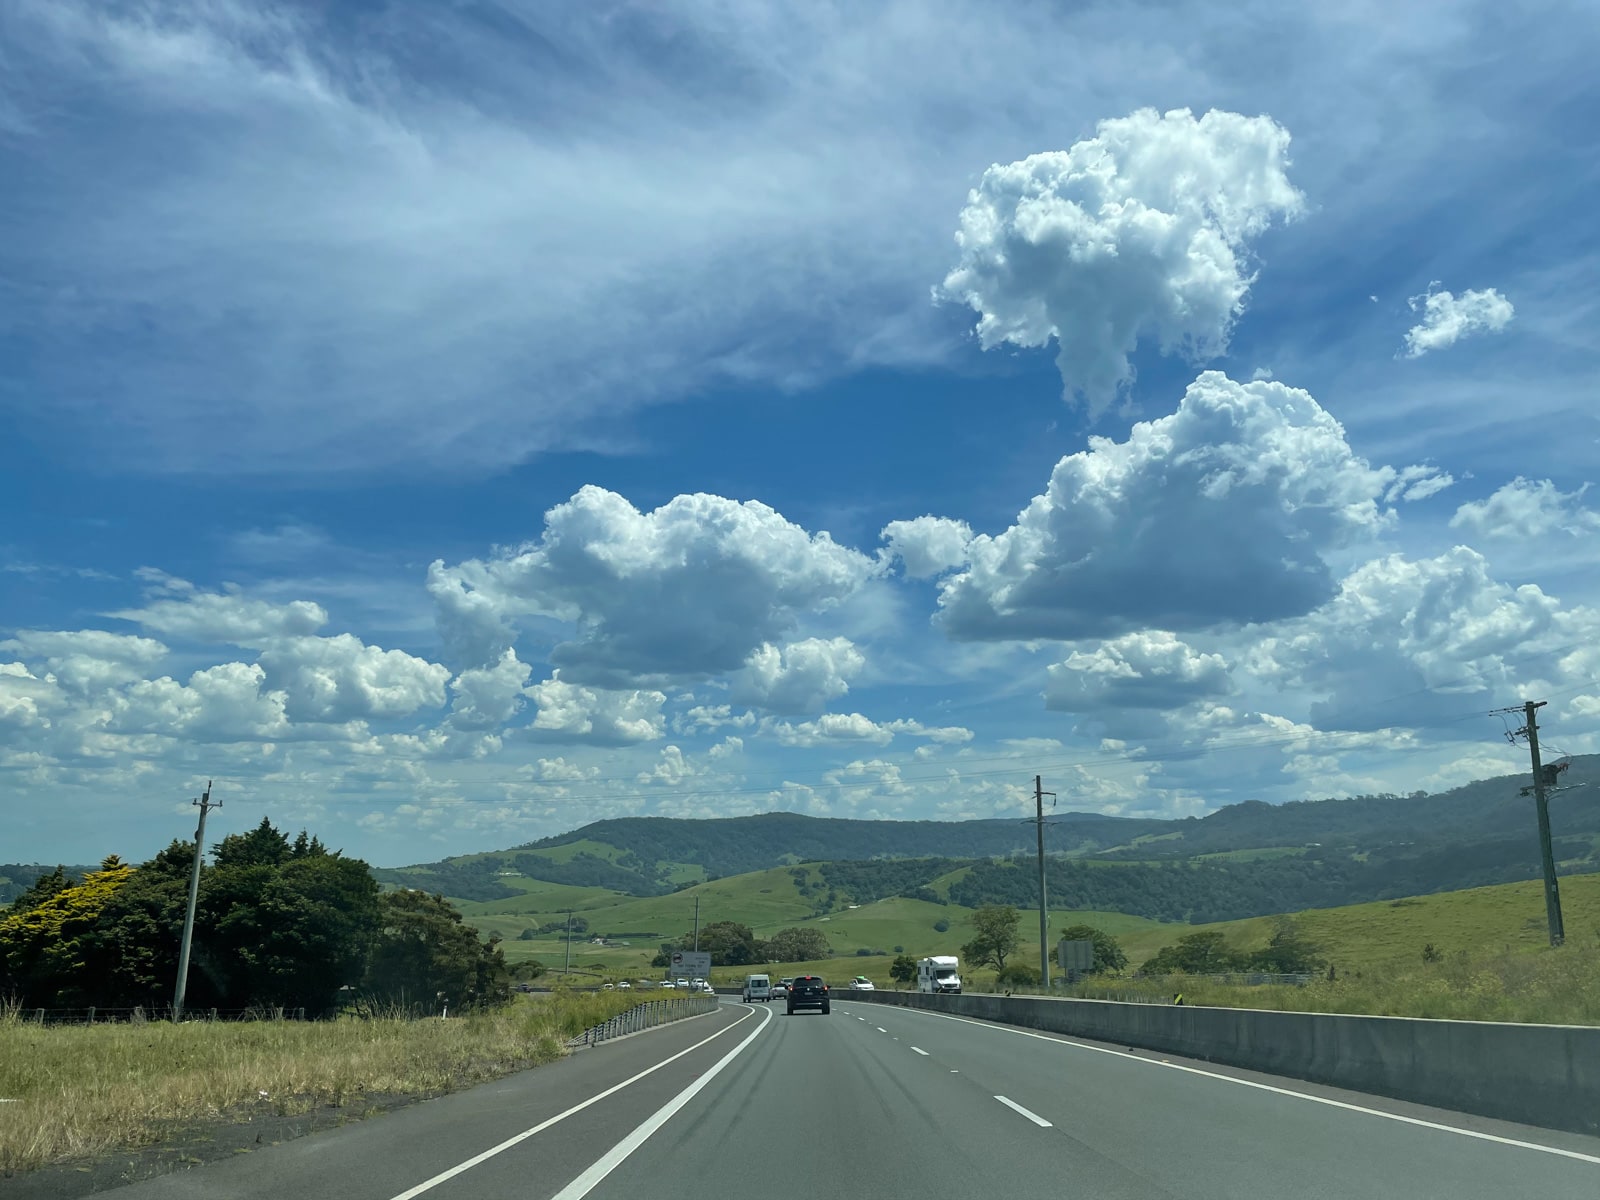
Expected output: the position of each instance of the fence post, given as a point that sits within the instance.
(91, 1014)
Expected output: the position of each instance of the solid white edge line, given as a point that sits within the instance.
(515, 1139)
(1281, 1091)
(613, 1158)
(1032, 1116)
(920, 1051)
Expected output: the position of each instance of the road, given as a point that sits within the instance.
(881, 1102)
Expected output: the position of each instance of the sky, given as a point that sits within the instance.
(441, 426)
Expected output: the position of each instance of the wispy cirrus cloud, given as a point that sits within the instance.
(449, 239)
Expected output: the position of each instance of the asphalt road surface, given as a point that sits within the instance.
(881, 1102)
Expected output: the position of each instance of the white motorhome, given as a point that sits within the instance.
(941, 973)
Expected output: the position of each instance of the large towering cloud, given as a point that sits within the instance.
(1219, 514)
(1139, 231)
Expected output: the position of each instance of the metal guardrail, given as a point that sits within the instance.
(645, 1016)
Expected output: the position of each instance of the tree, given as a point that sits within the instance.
(1018, 975)
(1289, 952)
(46, 952)
(425, 955)
(797, 944)
(996, 937)
(1108, 952)
(1205, 953)
(282, 928)
(42, 889)
(729, 943)
(903, 969)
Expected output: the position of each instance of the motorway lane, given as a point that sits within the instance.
(880, 1101)
(837, 1105)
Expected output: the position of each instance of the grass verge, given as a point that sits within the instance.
(1556, 986)
(77, 1092)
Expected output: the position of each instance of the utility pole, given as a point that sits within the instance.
(567, 970)
(1552, 894)
(697, 923)
(205, 805)
(1530, 730)
(1044, 919)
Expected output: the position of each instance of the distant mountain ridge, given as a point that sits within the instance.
(1482, 832)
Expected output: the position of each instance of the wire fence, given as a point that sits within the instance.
(647, 1015)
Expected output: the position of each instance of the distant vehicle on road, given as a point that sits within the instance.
(757, 987)
(624, 986)
(785, 983)
(667, 983)
(705, 986)
(862, 984)
(606, 987)
(809, 991)
(941, 973)
(683, 984)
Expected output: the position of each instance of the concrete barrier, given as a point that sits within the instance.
(1545, 1075)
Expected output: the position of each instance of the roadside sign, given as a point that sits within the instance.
(691, 964)
(1075, 956)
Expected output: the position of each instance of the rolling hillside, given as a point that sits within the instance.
(1271, 857)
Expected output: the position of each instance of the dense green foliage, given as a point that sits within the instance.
(1207, 952)
(1223, 890)
(1108, 953)
(864, 882)
(590, 870)
(423, 955)
(278, 923)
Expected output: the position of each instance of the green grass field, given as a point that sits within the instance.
(1481, 924)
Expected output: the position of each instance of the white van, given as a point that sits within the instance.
(757, 987)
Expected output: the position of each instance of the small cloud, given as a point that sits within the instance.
(1447, 318)
(1260, 374)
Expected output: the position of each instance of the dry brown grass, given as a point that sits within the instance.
(80, 1091)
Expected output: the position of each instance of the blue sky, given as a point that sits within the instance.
(445, 426)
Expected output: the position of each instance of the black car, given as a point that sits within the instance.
(808, 991)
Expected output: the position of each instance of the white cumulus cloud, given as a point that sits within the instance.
(1441, 634)
(1150, 669)
(339, 679)
(1218, 514)
(224, 617)
(489, 696)
(801, 677)
(1526, 508)
(1447, 318)
(1141, 230)
(688, 590)
(928, 546)
(568, 712)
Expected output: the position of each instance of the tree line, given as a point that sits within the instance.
(278, 923)
(731, 944)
